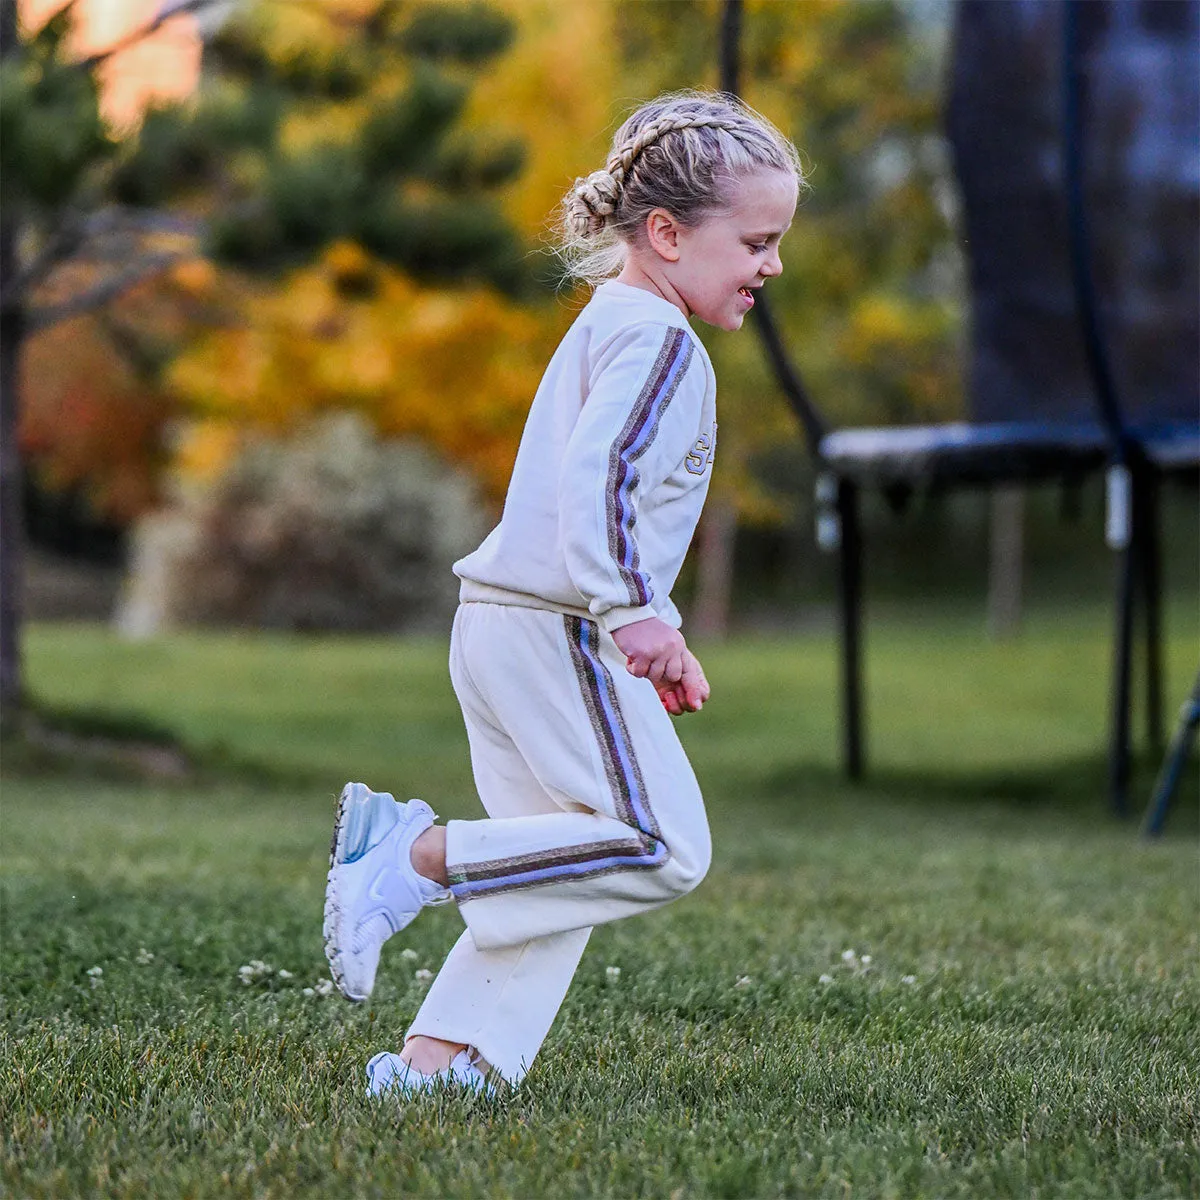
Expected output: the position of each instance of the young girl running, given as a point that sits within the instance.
(566, 654)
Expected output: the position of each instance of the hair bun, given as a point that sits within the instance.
(594, 200)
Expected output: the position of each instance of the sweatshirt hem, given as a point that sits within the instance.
(471, 591)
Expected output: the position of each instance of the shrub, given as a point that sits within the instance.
(330, 529)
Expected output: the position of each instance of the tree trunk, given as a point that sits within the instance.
(12, 522)
(1005, 583)
(11, 515)
(714, 575)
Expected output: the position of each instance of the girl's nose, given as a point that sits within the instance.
(772, 265)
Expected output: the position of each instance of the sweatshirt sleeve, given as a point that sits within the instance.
(638, 422)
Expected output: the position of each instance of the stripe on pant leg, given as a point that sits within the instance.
(608, 724)
(642, 850)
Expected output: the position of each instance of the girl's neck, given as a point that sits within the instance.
(633, 275)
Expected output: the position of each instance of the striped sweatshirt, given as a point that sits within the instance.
(612, 469)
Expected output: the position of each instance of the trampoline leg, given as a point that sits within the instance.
(1172, 768)
(850, 611)
(1150, 563)
(1118, 755)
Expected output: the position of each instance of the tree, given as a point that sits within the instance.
(455, 367)
(254, 170)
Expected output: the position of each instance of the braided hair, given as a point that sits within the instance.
(683, 152)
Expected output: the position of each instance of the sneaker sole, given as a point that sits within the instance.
(333, 909)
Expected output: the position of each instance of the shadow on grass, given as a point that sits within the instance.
(123, 747)
(1074, 788)
(110, 745)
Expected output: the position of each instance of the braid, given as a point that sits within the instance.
(600, 193)
(621, 162)
(689, 176)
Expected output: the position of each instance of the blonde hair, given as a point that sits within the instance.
(682, 151)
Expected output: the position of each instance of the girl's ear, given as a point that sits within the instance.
(662, 232)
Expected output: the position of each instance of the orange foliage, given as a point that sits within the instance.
(164, 65)
(88, 421)
(456, 370)
(95, 414)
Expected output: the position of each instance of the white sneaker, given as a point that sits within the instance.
(390, 1073)
(373, 890)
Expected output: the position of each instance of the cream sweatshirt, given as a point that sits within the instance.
(612, 469)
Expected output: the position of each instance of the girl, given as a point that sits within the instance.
(566, 654)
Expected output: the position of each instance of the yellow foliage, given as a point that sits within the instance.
(457, 370)
(878, 323)
(897, 345)
(554, 90)
(350, 264)
(195, 277)
(205, 447)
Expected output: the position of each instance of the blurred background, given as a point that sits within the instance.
(285, 293)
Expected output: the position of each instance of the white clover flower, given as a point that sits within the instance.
(423, 976)
(144, 957)
(409, 954)
(743, 981)
(324, 987)
(284, 974)
(612, 974)
(308, 992)
(825, 979)
(254, 970)
(95, 972)
(865, 960)
(908, 979)
(849, 956)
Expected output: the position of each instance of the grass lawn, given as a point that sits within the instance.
(1019, 1016)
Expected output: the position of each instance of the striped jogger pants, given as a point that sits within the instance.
(593, 814)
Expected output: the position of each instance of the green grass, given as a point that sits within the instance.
(1026, 1025)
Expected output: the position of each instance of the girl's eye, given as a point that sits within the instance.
(758, 247)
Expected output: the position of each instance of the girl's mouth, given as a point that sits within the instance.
(746, 295)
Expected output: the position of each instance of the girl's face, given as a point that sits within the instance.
(721, 262)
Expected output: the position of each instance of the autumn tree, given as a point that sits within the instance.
(455, 367)
(294, 141)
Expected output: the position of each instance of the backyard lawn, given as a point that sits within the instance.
(960, 978)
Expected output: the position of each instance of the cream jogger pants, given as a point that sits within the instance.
(593, 814)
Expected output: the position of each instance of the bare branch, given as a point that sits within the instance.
(109, 289)
(72, 236)
(144, 359)
(122, 219)
(59, 246)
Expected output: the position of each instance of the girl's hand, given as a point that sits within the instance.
(690, 693)
(653, 650)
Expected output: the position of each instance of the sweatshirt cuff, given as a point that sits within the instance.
(618, 618)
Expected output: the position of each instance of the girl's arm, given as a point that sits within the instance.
(637, 424)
